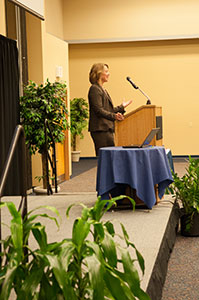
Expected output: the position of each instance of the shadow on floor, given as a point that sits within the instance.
(83, 166)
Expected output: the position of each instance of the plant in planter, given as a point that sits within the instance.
(75, 268)
(78, 119)
(186, 190)
(41, 102)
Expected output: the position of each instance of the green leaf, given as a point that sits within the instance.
(62, 277)
(49, 290)
(74, 204)
(110, 228)
(32, 281)
(98, 231)
(80, 231)
(114, 286)
(40, 236)
(52, 247)
(96, 274)
(109, 248)
(140, 260)
(32, 218)
(131, 275)
(8, 281)
(96, 249)
(85, 213)
(126, 237)
(101, 206)
(66, 254)
(16, 229)
(51, 208)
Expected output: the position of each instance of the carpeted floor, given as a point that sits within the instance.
(182, 281)
(83, 178)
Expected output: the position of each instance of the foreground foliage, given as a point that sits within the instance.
(90, 265)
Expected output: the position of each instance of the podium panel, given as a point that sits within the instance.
(137, 124)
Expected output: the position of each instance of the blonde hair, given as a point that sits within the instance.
(95, 72)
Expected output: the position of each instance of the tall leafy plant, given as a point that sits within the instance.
(186, 190)
(78, 119)
(41, 102)
(89, 265)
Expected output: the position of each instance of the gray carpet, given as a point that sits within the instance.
(182, 282)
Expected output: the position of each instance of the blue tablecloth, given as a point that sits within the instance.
(139, 168)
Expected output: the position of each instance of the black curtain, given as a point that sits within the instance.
(9, 111)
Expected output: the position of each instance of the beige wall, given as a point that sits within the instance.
(166, 70)
(54, 18)
(129, 19)
(35, 70)
(34, 48)
(2, 18)
(55, 53)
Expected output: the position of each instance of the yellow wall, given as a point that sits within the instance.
(129, 19)
(55, 53)
(165, 70)
(35, 70)
(34, 48)
(54, 18)
(2, 18)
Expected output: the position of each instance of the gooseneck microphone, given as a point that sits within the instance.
(131, 82)
(136, 87)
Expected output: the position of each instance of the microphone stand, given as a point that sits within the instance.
(148, 100)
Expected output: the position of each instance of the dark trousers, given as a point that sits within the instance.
(102, 139)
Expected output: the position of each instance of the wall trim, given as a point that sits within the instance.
(133, 39)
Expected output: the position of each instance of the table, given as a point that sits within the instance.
(140, 168)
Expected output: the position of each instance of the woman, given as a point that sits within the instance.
(102, 112)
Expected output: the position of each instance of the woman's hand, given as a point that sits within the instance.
(119, 116)
(126, 103)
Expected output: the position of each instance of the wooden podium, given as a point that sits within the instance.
(134, 129)
(137, 125)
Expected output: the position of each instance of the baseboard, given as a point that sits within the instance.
(88, 157)
(183, 158)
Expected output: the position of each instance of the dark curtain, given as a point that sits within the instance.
(9, 111)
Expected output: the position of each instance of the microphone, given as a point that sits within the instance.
(131, 82)
(136, 87)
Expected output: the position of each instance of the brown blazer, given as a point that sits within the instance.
(101, 109)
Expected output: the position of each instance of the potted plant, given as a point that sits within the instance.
(78, 121)
(40, 103)
(186, 190)
(75, 268)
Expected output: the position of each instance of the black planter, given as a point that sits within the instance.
(194, 228)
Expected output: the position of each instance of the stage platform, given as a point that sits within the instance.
(152, 231)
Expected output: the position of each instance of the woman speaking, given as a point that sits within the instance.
(102, 113)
